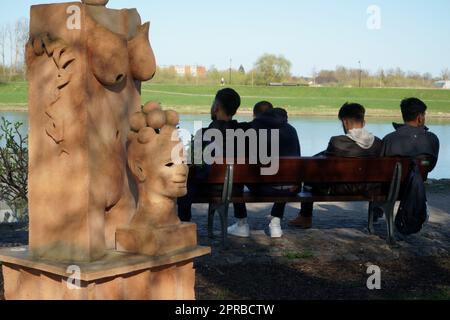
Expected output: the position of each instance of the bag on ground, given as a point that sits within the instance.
(412, 213)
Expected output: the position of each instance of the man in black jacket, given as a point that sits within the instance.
(266, 117)
(356, 143)
(224, 108)
(412, 139)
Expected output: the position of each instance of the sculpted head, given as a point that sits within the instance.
(155, 153)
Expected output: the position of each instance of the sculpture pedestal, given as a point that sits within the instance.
(118, 276)
(150, 241)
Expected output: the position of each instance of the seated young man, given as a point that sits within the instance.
(268, 118)
(412, 139)
(224, 108)
(356, 143)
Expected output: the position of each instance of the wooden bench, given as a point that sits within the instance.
(390, 172)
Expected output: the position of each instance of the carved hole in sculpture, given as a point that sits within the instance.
(170, 164)
(60, 87)
(108, 209)
(68, 63)
(119, 78)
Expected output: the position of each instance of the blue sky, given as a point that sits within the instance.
(414, 35)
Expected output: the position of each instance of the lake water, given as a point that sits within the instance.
(315, 132)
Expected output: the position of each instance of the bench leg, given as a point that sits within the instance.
(223, 212)
(389, 210)
(211, 212)
(370, 227)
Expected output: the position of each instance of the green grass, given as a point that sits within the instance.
(298, 100)
(13, 95)
(293, 255)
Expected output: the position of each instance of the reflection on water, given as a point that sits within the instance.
(315, 132)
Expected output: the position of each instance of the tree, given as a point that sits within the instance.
(3, 34)
(14, 168)
(241, 69)
(445, 74)
(21, 38)
(428, 76)
(13, 39)
(272, 68)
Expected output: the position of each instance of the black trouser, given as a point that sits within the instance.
(307, 209)
(336, 189)
(195, 189)
(278, 208)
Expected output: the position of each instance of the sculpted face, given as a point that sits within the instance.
(168, 179)
(156, 154)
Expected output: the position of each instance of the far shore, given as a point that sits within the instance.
(190, 110)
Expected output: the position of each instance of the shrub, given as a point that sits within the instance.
(14, 168)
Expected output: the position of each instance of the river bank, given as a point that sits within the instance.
(320, 112)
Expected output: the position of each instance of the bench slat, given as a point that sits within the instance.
(316, 170)
(302, 197)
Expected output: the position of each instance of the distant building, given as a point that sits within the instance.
(193, 71)
(443, 84)
(326, 80)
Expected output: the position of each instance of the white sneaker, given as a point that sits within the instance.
(240, 229)
(275, 228)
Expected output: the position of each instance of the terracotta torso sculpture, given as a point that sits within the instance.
(84, 86)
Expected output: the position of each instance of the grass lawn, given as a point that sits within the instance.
(13, 96)
(298, 100)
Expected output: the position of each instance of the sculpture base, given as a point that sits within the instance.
(149, 241)
(118, 276)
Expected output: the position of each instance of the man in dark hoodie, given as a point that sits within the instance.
(224, 108)
(266, 117)
(356, 143)
(413, 138)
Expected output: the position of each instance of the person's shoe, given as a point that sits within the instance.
(240, 229)
(275, 228)
(301, 222)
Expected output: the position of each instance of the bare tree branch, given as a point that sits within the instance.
(13, 167)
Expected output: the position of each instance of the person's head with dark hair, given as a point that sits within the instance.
(225, 105)
(352, 116)
(261, 107)
(413, 111)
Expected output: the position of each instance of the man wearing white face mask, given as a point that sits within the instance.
(356, 143)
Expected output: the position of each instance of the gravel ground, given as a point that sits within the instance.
(329, 261)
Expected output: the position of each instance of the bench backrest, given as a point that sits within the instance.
(320, 170)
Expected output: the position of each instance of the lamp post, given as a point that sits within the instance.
(360, 74)
(231, 62)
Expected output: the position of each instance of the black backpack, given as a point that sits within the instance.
(413, 212)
